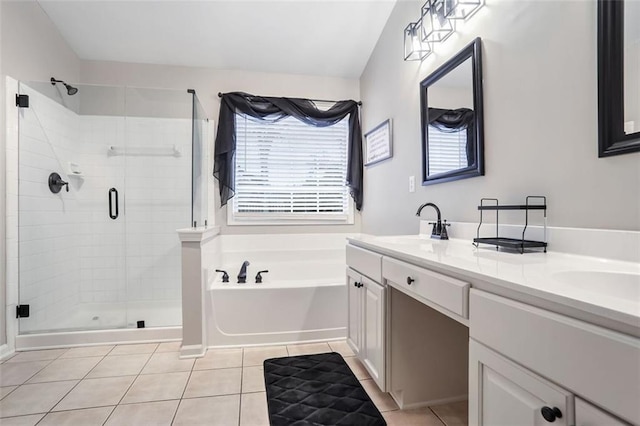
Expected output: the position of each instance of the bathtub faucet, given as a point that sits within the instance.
(242, 276)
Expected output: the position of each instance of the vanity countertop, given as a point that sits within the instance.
(601, 288)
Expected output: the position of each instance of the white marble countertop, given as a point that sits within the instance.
(608, 289)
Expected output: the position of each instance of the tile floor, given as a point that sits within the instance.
(147, 384)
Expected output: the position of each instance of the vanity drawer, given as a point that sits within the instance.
(446, 292)
(601, 365)
(366, 262)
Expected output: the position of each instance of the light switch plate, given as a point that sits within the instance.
(412, 184)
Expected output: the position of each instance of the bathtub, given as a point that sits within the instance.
(303, 297)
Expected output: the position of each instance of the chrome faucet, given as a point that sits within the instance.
(439, 230)
(242, 275)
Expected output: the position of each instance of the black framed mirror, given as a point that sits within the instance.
(618, 77)
(452, 118)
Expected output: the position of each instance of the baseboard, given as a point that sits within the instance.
(5, 352)
(192, 351)
(430, 403)
(278, 343)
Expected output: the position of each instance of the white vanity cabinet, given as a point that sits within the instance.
(554, 360)
(367, 311)
(508, 394)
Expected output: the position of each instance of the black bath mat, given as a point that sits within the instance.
(317, 390)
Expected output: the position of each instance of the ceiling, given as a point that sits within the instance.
(314, 37)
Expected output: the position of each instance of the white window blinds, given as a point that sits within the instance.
(447, 151)
(289, 170)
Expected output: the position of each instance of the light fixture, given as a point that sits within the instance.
(436, 27)
(414, 48)
(436, 24)
(461, 9)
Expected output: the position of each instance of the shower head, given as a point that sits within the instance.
(70, 89)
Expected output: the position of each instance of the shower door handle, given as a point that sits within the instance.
(113, 195)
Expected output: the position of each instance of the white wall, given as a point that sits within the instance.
(31, 48)
(540, 104)
(207, 83)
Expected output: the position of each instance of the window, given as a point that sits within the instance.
(447, 151)
(290, 172)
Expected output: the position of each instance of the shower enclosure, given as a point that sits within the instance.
(98, 247)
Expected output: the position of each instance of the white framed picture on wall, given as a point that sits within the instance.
(378, 143)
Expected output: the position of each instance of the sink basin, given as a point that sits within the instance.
(621, 285)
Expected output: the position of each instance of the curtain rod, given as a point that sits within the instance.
(313, 100)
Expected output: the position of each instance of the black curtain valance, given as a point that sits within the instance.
(456, 120)
(274, 109)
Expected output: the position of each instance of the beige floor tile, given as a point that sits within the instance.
(169, 347)
(167, 362)
(220, 358)
(342, 347)
(4, 391)
(36, 398)
(65, 369)
(87, 351)
(95, 393)
(143, 348)
(212, 411)
(147, 413)
(120, 365)
(86, 417)
(22, 420)
(19, 372)
(417, 417)
(257, 355)
(37, 355)
(253, 379)
(382, 400)
(224, 381)
(253, 410)
(358, 369)
(157, 387)
(308, 349)
(453, 414)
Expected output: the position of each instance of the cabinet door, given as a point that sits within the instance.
(374, 330)
(503, 393)
(354, 323)
(588, 415)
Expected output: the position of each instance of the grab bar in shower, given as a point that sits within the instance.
(173, 150)
(113, 195)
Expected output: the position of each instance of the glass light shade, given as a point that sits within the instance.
(436, 27)
(461, 9)
(414, 48)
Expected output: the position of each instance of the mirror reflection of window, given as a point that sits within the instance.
(631, 67)
(447, 151)
(450, 114)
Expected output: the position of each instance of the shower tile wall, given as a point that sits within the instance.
(155, 200)
(77, 264)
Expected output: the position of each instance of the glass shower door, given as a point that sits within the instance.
(71, 241)
(158, 201)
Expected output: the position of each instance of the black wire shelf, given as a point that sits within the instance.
(520, 244)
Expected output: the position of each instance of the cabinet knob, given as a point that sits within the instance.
(355, 284)
(410, 280)
(551, 414)
(360, 285)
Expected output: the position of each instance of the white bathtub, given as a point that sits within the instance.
(301, 299)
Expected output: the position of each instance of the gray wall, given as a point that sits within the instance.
(207, 83)
(31, 48)
(540, 104)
